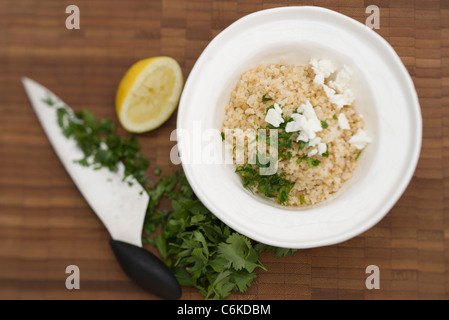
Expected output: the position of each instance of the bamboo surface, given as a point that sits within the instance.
(46, 225)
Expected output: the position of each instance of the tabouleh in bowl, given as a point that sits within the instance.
(303, 117)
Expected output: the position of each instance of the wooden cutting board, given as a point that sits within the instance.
(46, 225)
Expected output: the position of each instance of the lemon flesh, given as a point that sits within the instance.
(149, 94)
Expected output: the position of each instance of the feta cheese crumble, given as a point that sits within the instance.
(307, 124)
(316, 142)
(305, 121)
(339, 93)
(322, 148)
(360, 140)
(343, 122)
(343, 99)
(274, 116)
(342, 81)
(323, 69)
(312, 153)
(329, 91)
(338, 90)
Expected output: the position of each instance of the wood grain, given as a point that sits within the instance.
(46, 225)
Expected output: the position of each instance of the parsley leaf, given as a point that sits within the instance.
(239, 253)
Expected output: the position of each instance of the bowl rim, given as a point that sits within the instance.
(414, 154)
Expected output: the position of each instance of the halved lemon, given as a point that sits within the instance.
(149, 93)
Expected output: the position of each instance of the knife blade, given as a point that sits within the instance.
(120, 205)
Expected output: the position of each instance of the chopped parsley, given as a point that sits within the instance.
(302, 200)
(49, 100)
(284, 144)
(310, 162)
(222, 136)
(313, 162)
(324, 124)
(300, 159)
(201, 250)
(358, 155)
(326, 154)
(284, 194)
(283, 139)
(282, 125)
(270, 107)
(286, 121)
(265, 98)
(334, 117)
(262, 160)
(271, 186)
(157, 171)
(102, 148)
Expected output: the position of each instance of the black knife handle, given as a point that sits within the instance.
(146, 270)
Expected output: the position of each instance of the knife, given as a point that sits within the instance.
(120, 205)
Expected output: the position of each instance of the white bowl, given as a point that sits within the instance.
(385, 97)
